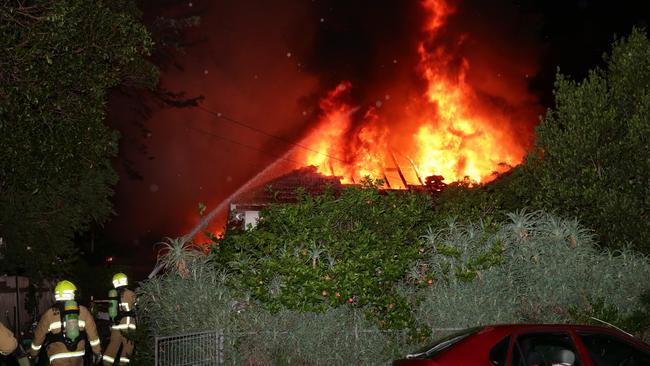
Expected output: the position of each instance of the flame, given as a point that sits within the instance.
(439, 10)
(453, 136)
(337, 117)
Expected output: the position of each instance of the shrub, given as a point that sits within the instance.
(172, 305)
(327, 251)
(550, 267)
(532, 267)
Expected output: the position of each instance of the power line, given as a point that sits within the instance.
(242, 124)
(243, 145)
(282, 139)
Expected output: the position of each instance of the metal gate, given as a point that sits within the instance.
(194, 349)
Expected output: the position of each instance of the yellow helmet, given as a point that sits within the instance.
(119, 280)
(64, 290)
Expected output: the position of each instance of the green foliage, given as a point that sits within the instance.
(639, 320)
(457, 252)
(59, 60)
(144, 341)
(540, 268)
(460, 199)
(326, 251)
(598, 312)
(595, 148)
(592, 156)
(173, 305)
(531, 267)
(177, 254)
(490, 202)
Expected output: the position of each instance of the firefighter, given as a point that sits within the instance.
(65, 327)
(8, 343)
(122, 312)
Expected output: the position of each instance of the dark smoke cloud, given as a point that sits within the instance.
(370, 44)
(266, 64)
(242, 59)
(503, 47)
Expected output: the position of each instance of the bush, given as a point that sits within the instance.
(533, 267)
(173, 304)
(328, 250)
(550, 268)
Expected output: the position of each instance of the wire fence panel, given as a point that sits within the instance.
(320, 347)
(300, 346)
(195, 349)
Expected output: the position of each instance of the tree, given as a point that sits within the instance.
(60, 58)
(593, 148)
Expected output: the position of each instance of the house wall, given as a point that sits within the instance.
(12, 302)
(244, 215)
(251, 218)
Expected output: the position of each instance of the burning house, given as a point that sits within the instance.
(450, 111)
(450, 128)
(244, 209)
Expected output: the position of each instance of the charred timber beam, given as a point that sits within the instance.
(399, 170)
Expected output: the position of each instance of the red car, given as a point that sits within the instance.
(533, 345)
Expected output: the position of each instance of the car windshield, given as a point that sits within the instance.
(443, 343)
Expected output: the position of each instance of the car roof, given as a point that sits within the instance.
(520, 326)
(510, 328)
(526, 326)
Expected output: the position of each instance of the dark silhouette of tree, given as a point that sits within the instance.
(59, 59)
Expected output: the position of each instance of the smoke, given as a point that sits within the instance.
(266, 64)
(242, 59)
(504, 52)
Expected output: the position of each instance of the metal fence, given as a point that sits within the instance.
(347, 346)
(194, 349)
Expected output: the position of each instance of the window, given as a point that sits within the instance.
(443, 344)
(499, 353)
(545, 349)
(608, 350)
(517, 357)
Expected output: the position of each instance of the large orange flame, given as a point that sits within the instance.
(452, 137)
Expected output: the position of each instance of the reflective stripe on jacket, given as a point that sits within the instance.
(127, 303)
(111, 360)
(50, 322)
(57, 356)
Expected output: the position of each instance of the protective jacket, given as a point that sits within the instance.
(7, 341)
(50, 329)
(122, 323)
(125, 319)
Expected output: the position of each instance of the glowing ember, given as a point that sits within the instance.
(449, 131)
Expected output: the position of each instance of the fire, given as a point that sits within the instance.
(338, 120)
(454, 135)
(326, 150)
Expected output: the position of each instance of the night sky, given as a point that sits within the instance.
(265, 64)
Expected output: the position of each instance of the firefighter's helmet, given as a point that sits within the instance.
(64, 290)
(120, 280)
